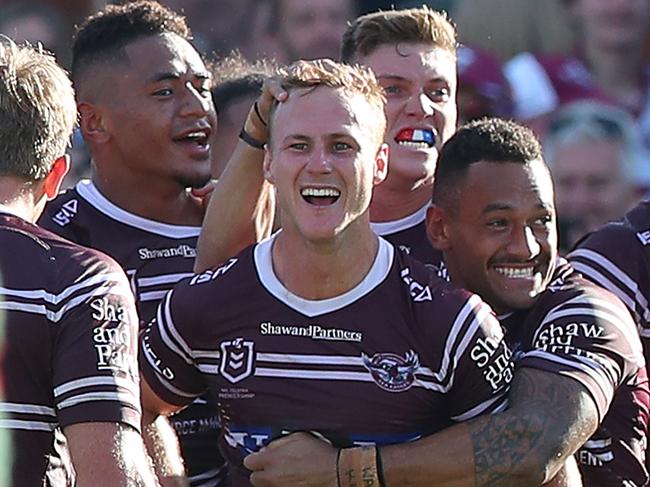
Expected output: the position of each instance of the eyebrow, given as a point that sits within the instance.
(402, 78)
(174, 75)
(504, 207)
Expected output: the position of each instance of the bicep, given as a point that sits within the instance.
(108, 455)
(152, 404)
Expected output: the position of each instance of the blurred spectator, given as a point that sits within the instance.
(599, 166)
(609, 64)
(508, 27)
(217, 26)
(237, 84)
(37, 23)
(482, 88)
(309, 29)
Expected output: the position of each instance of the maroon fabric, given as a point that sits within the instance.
(584, 332)
(69, 352)
(399, 357)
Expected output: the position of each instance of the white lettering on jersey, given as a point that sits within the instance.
(66, 213)
(418, 292)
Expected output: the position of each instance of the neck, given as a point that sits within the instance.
(324, 270)
(20, 197)
(618, 72)
(389, 204)
(162, 201)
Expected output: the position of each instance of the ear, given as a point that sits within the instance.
(381, 164)
(92, 123)
(268, 174)
(52, 182)
(437, 228)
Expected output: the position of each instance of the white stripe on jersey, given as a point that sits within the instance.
(96, 381)
(152, 295)
(161, 378)
(591, 368)
(474, 305)
(598, 443)
(15, 407)
(56, 316)
(125, 398)
(19, 424)
(163, 279)
(481, 408)
(165, 325)
(106, 278)
(598, 308)
(628, 286)
(210, 478)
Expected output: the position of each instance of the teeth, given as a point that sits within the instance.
(416, 145)
(195, 135)
(321, 192)
(515, 272)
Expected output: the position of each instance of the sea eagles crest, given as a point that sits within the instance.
(392, 372)
(236, 359)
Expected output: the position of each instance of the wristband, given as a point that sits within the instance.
(250, 140)
(358, 466)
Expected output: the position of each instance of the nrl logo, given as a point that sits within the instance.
(392, 372)
(236, 359)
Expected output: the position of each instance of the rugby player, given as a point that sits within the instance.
(580, 385)
(147, 118)
(413, 54)
(325, 326)
(68, 324)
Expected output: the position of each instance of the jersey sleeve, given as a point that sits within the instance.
(483, 362)
(614, 258)
(591, 338)
(167, 361)
(95, 374)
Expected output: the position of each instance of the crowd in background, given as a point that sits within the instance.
(574, 71)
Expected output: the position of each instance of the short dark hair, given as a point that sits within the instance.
(486, 139)
(104, 34)
(234, 77)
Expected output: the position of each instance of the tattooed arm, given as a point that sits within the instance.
(550, 417)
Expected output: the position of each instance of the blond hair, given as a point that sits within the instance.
(414, 26)
(353, 80)
(37, 110)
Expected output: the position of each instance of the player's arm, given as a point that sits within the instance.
(108, 455)
(549, 419)
(241, 209)
(160, 438)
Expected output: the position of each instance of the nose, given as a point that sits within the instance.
(524, 245)
(195, 103)
(420, 105)
(319, 161)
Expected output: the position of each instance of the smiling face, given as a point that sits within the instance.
(420, 85)
(325, 156)
(157, 110)
(501, 238)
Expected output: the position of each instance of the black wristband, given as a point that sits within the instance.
(250, 140)
(380, 468)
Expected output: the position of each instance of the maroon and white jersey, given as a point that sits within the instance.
(402, 355)
(68, 352)
(579, 330)
(409, 235)
(155, 256)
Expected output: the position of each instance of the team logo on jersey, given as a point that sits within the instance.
(418, 292)
(392, 372)
(236, 359)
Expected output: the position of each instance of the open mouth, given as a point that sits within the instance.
(320, 196)
(416, 138)
(198, 138)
